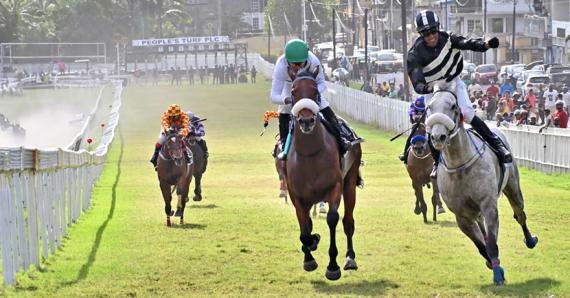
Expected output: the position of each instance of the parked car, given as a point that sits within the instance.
(485, 73)
(510, 71)
(533, 82)
(557, 68)
(388, 62)
(560, 79)
(524, 76)
(468, 69)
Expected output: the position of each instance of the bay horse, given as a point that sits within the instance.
(280, 167)
(174, 173)
(314, 174)
(200, 164)
(419, 165)
(471, 178)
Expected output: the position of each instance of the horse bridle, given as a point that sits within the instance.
(307, 78)
(456, 118)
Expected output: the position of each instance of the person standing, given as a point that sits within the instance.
(253, 74)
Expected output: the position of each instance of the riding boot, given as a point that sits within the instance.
(154, 158)
(404, 156)
(329, 115)
(202, 144)
(436, 154)
(495, 142)
(284, 123)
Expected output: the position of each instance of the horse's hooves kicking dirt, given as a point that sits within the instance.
(350, 264)
(310, 265)
(197, 198)
(498, 276)
(333, 275)
(532, 242)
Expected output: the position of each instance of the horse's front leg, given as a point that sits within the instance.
(310, 242)
(167, 196)
(333, 270)
(491, 216)
(420, 202)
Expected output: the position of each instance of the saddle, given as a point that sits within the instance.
(346, 132)
(504, 171)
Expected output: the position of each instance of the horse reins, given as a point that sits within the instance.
(456, 120)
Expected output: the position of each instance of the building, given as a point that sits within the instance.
(560, 33)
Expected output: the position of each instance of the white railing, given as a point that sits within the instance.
(546, 152)
(42, 193)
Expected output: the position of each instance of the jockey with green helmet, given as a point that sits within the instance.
(297, 57)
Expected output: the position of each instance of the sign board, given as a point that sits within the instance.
(180, 41)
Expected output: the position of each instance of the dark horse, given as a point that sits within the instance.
(172, 171)
(419, 165)
(200, 165)
(314, 174)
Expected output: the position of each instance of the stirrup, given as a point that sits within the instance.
(402, 157)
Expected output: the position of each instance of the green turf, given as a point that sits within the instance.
(244, 241)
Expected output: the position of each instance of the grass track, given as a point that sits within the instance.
(243, 241)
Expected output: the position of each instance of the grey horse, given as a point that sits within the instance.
(470, 178)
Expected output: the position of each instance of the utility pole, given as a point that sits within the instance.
(405, 49)
(514, 30)
(334, 36)
(366, 44)
(268, 37)
(219, 17)
(391, 41)
(485, 28)
(353, 25)
(304, 27)
(446, 16)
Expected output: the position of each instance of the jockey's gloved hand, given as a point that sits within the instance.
(265, 124)
(493, 43)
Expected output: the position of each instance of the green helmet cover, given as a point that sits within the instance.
(296, 51)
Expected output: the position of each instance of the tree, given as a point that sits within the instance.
(292, 8)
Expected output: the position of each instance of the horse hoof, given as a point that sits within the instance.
(418, 210)
(498, 276)
(532, 242)
(168, 223)
(322, 210)
(171, 213)
(350, 264)
(197, 198)
(181, 221)
(178, 212)
(282, 194)
(310, 265)
(315, 244)
(333, 275)
(440, 210)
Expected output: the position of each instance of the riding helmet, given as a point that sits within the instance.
(419, 104)
(174, 110)
(296, 51)
(425, 20)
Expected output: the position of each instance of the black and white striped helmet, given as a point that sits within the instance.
(426, 19)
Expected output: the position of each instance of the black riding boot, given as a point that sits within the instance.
(404, 156)
(155, 157)
(502, 152)
(284, 123)
(202, 144)
(436, 154)
(329, 115)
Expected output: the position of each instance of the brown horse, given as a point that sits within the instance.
(174, 173)
(200, 164)
(419, 165)
(314, 174)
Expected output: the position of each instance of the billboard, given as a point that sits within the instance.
(180, 41)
